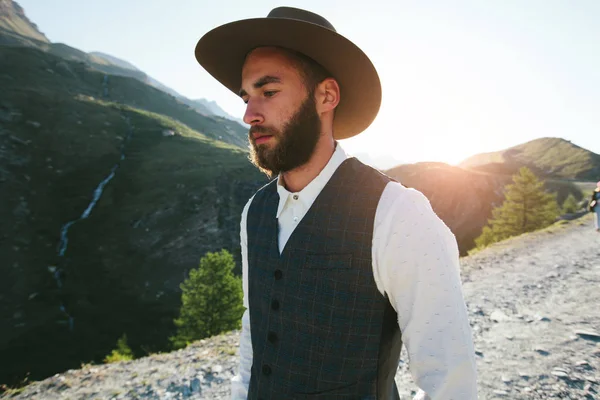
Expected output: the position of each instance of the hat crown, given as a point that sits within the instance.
(301, 15)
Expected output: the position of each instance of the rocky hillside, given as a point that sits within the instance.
(547, 157)
(16, 27)
(110, 190)
(532, 304)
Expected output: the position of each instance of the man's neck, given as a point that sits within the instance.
(298, 178)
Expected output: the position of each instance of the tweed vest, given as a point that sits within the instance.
(320, 329)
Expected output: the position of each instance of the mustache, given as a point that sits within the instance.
(263, 130)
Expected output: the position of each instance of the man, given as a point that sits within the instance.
(341, 264)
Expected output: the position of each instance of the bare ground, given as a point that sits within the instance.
(534, 305)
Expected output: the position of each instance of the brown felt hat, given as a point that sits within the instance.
(222, 52)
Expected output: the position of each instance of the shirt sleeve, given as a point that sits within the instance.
(241, 381)
(416, 264)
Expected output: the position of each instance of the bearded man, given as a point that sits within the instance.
(341, 264)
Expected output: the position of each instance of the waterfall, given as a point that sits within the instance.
(64, 232)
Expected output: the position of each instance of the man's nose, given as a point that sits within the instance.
(252, 116)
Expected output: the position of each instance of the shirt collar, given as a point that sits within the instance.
(312, 190)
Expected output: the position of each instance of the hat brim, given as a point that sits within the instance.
(222, 52)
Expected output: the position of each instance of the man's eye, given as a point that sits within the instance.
(270, 93)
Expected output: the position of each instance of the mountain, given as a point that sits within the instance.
(464, 198)
(114, 60)
(111, 190)
(17, 30)
(214, 108)
(16, 27)
(203, 106)
(547, 157)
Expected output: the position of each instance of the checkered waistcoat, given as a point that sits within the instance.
(320, 328)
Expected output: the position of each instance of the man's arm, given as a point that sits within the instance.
(416, 263)
(240, 382)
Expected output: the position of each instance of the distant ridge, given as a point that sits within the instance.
(17, 30)
(547, 157)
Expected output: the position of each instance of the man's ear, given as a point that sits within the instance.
(327, 95)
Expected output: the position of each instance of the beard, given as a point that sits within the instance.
(297, 141)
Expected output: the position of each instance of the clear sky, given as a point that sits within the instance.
(459, 77)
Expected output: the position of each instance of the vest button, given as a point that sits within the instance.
(272, 337)
(278, 274)
(266, 370)
(275, 305)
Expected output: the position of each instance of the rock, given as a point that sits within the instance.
(582, 363)
(195, 385)
(499, 316)
(588, 335)
(541, 351)
(560, 374)
(500, 392)
(543, 319)
(478, 311)
(506, 379)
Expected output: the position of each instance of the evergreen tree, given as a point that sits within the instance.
(526, 207)
(212, 300)
(570, 204)
(121, 353)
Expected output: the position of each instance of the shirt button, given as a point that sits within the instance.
(278, 274)
(295, 219)
(295, 197)
(266, 370)
(275, 305)
(272, 337)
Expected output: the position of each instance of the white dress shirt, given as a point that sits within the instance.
(416, 263)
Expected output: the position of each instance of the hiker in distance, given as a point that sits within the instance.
(593, 206)
(341, 264)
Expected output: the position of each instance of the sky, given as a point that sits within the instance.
(458, 77)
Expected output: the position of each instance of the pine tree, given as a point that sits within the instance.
(212, 300)
(526, 208)
(121, 353)
(570, 204)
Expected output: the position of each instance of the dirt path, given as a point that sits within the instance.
(527, 298)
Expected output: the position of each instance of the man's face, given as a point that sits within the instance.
(285, 126)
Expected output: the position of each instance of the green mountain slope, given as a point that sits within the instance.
(176, 193)
(547, 157)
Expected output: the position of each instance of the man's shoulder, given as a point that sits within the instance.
(399, 199)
